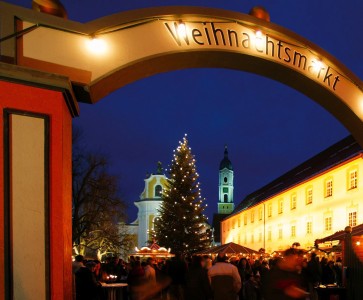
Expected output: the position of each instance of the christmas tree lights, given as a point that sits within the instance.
(181, 212)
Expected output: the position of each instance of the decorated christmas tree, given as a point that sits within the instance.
(181, 225)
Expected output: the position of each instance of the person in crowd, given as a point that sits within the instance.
(78, 263)
(135, 279)
(197, 283)
(225, 279)
(207, 262)
(313, 275)
(338, 267)
(251, 288)
(98, 270)
(328, 273)
(176, 270)
(150, 274)
(244, 270)
(283, 281)
(87, 287)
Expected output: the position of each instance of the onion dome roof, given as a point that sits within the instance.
(225, 162)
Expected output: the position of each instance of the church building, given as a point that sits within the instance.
(148, 205)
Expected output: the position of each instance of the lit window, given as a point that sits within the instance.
(281, 206)
(293, 231)
(309, 227)
(328, 188)
(269, 210)
(239, 222)
(260, 237)
(328, 223)
(245, 238)
(293, 202)
(353, 180)
(260, 213)
(252, 239)
(245, 219)
(269, 234)
(353, 219)
(252, 216)
(280, 233)
(309, 196)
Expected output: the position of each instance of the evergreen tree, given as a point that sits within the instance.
(181, 225)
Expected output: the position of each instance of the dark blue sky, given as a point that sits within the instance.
(269, 128)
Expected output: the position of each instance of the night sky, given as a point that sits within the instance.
(269, 128)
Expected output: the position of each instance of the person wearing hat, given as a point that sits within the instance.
(225, 279)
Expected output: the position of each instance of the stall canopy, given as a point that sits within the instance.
(339, 235)
(229, 249)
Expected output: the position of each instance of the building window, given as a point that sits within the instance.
(293, 202)
(225, 190)
(269, 234)
(328, 223)
(260, 213)
(158, 190)
(225, 180)
(252, 238)
(252, 216)
(280, 233)
(353, 180)
(239, 222)
(234, 224)
(260, 237)
(245, 219)
(269, 210)
(309, 227)
(225, 198)
(328, 188)
(281, 206)
(293, 231)
(245, 239)
(309, 196)
(224, 227)
(353, 219)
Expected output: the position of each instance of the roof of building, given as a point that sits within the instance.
(225, 162)
(334, 155)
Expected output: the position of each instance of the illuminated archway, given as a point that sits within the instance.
(102, 56)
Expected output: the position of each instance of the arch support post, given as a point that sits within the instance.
(35, 182)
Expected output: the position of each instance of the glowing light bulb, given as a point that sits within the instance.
(258, 34)
(97, 46)
(317, 65)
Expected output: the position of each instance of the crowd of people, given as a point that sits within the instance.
(290, 276)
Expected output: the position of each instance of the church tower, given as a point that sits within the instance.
(225, 202)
